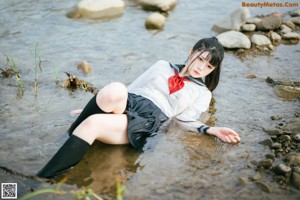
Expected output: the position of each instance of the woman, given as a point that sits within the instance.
(117, 115)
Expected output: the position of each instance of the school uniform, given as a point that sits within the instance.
(157, 95)
(151, 101)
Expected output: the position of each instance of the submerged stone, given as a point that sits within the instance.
(264, 186)
(97, 9)
(155, 21)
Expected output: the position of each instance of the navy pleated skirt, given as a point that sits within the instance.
(144, 118)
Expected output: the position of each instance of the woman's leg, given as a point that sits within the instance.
(110, 99)
(108, 128)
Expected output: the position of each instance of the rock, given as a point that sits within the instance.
(251, 76)
(266, 142)
(295, 20)
(254, 20)
(234, 21)
(244, 180)
(155, 21)
(284, 138)
(158, 5)
(295, 180)
(281, 169)
(256, 177)
(296, 137)
(291, 35)
(248, 27)
(293, 125)
(293, 159)
(270, 156)
(260, 40)
(97, 9)
(276, 145)
(272, 131)
(85, 67)
(290, 24)
(285, 29)
(266, 164)
(264, 186)
(287, 92)
(296, 170)
(276, 117)
(294, 13)
(275, 37)
(234, 39)
(270, 22)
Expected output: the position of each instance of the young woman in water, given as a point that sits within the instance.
(119, 115)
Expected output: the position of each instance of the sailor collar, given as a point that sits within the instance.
(198, 81)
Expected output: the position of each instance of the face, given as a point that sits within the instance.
(200, 67)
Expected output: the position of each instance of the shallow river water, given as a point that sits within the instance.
(176, 163)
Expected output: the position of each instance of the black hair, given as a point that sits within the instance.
(216, 55)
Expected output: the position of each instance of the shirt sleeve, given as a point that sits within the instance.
(190, 116)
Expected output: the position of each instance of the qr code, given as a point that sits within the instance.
(9, 191)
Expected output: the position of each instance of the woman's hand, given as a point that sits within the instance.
(76, 112)
(224, 134)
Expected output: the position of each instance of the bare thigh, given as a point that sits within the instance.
(107, 128)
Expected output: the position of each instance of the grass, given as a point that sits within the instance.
(56, 73)
(82, 194)
(12, 64)
(37, 66)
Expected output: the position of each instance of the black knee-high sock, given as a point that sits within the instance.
(90, 109)
(67, 156)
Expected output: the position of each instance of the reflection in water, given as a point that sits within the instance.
(100, 167)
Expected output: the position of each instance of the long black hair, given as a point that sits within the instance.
(216, 55)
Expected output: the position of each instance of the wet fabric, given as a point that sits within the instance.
(144, 118)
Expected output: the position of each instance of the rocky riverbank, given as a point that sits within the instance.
(259, 35)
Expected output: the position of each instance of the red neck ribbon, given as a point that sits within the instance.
(176, 83)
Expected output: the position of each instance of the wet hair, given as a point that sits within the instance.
(216, 55)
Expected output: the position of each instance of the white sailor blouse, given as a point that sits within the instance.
(186, 104)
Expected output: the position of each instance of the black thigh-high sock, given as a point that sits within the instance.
(67, 156)
(90, 109)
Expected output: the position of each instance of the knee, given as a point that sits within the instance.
(112, 94)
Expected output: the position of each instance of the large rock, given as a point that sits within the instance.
(293, 159)
(97, 9)
(295, 20)
(270, 22)
(234, 39)
(295, 13)
(295, 180)
(293, 125)
(291, 35)
(155, 21)
(248, 27)
(234, 21)
(275, 37)
(159, 5)
(260, 40)
(285, 29)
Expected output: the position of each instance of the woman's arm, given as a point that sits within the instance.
(189, 118)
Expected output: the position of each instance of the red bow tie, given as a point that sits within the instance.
(176, 82)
